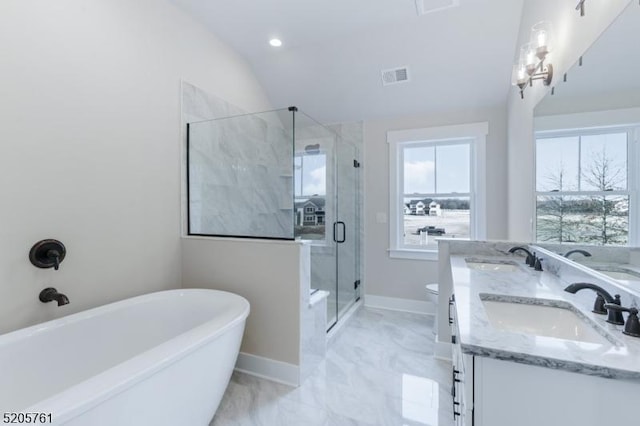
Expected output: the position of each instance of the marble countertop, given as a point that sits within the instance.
(604, 267)
(619, 359)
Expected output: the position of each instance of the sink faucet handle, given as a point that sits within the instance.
(598, 305)
(632, 326)
(615, 310)
(538, 265)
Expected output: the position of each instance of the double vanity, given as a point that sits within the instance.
(527, 352)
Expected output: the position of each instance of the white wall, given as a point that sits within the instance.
(554, 105)
(574, 34)
(90, 144)
(406, 279)
(269, 274)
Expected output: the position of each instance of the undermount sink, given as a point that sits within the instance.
(541, 320)
(620, 275)
(491, 266)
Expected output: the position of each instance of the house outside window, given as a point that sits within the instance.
(585, 186)
(437, 187)
(310, 195)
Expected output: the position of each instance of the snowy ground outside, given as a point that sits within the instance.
(455, 223)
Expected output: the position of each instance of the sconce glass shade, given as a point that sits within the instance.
(542, 38)
(528, 59)
(519, 76)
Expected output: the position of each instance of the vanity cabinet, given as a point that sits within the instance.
(492, 392)
(461, 375)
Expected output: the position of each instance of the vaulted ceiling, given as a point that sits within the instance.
(611, 66)
(333, 52)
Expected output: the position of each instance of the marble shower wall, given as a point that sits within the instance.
(240, 169)
(198, 105)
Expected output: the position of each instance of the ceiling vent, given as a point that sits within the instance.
(424, 7)
(395, 76)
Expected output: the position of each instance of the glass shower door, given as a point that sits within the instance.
(347, 227)
(315, 203)
(326, 205)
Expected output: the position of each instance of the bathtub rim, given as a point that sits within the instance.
(96, 389)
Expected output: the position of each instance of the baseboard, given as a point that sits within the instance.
(397, 304)
(442, 350)
(270, 369)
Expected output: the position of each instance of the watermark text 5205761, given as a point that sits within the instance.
(26, 418)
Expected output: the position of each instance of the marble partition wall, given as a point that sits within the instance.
(207, 206)
(240, 169)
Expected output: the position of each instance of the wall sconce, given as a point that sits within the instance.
(580, 7)
(531, 65)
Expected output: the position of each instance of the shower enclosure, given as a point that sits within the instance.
(280, 175)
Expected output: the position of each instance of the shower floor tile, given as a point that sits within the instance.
(379, 370)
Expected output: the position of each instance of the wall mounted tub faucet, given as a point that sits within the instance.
(582, 252)
(47, 254)
(599, 306)
(50, 294)
(529, 260)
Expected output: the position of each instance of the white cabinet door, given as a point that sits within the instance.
(508, 394)
(461, 377)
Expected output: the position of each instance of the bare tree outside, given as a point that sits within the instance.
(610, 214)
(555, 223)
(600, 219)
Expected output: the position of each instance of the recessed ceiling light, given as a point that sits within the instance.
(275, 42)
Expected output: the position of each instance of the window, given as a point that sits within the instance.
(310, 185)
(584, 190)
(436, 176)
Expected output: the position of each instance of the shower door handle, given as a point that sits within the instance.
(335, 232)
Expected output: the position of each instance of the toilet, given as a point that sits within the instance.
(432, 296)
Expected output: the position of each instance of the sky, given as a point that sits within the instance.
(437, 170)
(310, 175)
(575, 156)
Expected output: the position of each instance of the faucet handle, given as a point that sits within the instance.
(632, 326)
(47, 254)
(54, 256)
(530, 259)
(599, 305)
(615, 315)
(538, 265)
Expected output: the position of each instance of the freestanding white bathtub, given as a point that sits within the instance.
(160, 359)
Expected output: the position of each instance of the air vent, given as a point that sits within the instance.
(395, 75)
(429, 6)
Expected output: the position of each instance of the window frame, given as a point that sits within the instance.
(633, 174)
(473, 133)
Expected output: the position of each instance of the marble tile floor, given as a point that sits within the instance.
(380, 370)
